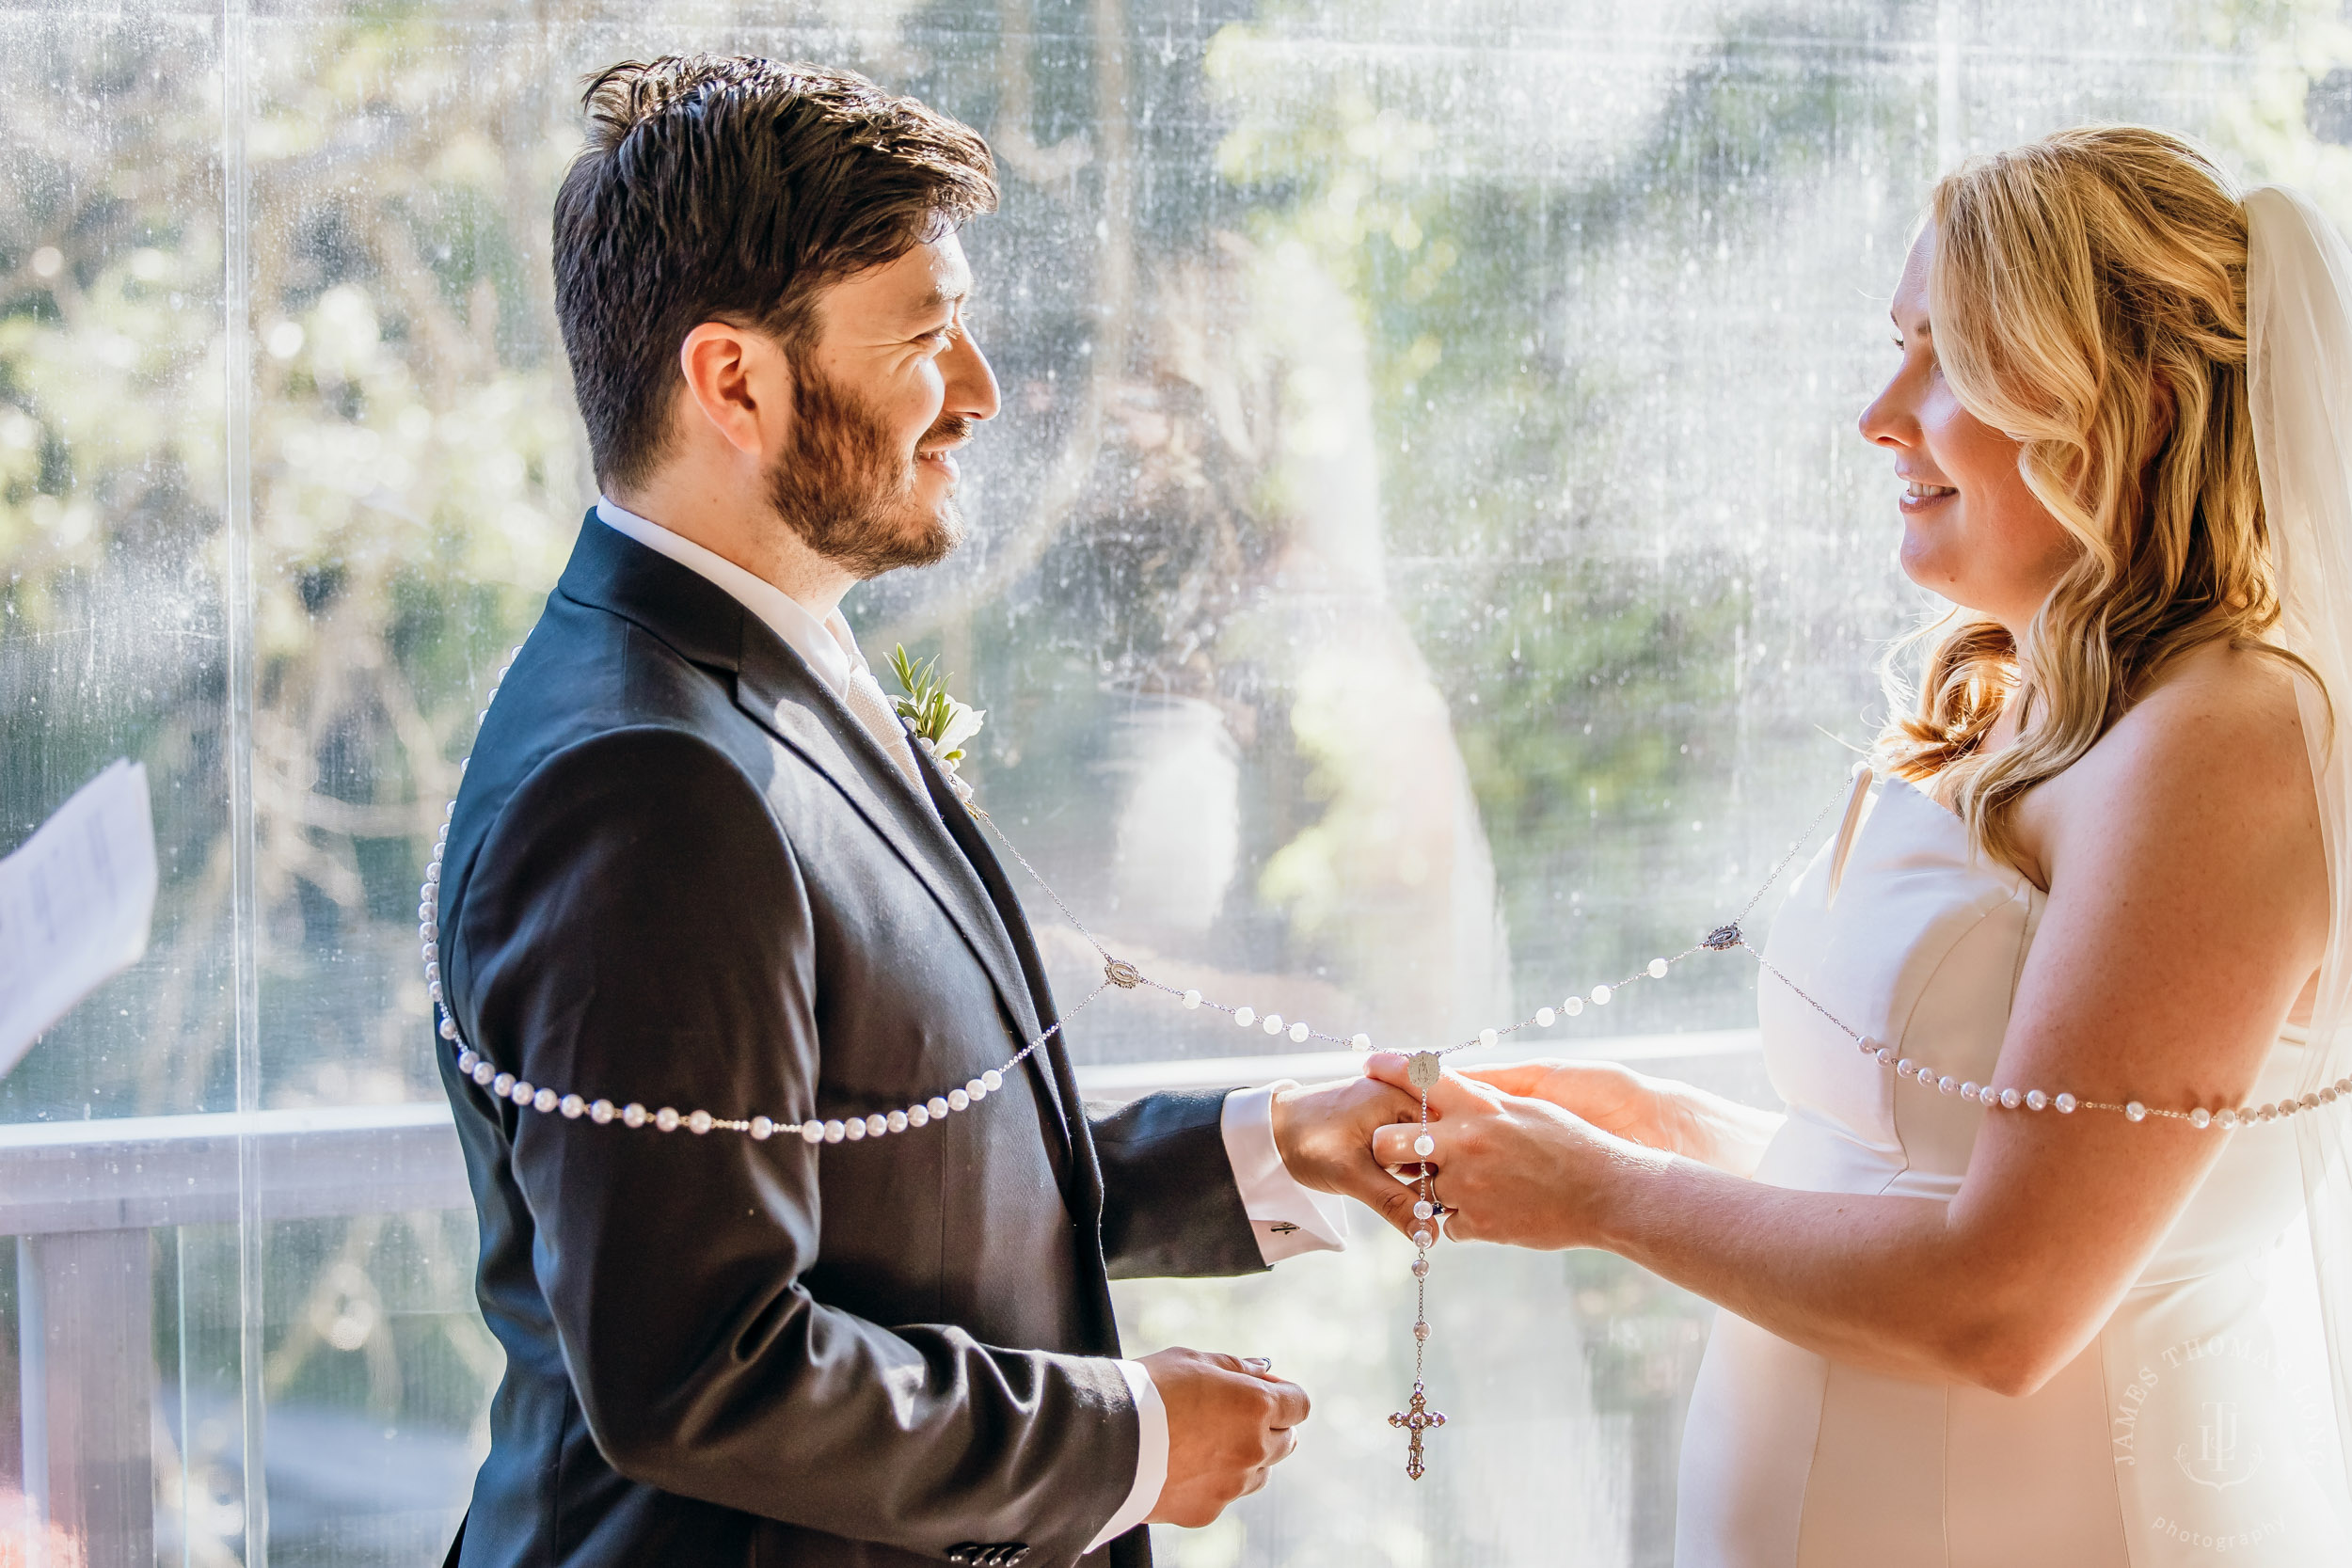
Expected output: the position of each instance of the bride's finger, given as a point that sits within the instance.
(1451, 1095)
(1519, 1078)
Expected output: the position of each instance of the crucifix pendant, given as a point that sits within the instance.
(1417, 1418)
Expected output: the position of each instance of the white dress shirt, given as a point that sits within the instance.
(1288, 1218)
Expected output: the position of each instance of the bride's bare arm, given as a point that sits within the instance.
(2188, 910)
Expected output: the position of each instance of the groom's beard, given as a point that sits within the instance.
(842, 485)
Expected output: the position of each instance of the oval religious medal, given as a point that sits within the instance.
(1423, 1071)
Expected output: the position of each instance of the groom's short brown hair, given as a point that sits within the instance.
(719, 187)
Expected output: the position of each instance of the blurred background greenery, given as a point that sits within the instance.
(1424, 565)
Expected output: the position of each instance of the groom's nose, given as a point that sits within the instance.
(971, 385)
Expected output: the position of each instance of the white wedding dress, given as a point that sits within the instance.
(2197, 1428)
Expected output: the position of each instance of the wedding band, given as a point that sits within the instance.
(1262, 1365)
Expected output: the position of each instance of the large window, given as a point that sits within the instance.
(1425, 566)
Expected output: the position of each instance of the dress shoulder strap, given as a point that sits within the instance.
(1862, 778)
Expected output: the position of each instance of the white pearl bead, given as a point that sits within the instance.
(1361, 1042)
(958, 1100)
(876, 1126)
(1245, 1016)
(854, 1129)
(666, 1119)
(2327, 1095)
(543, 1101)
(936, 1105)
(835, 1131)
(1487, 1037)
(992, 1080)
(897, 1121)
(1422, 1238)
(2225, 1118)
(1422, 1210)
(483, 1072)
(974, 1090)
(918, 1115)
(2200, 1118)
(812, 1131)
(1601, 995)
(699, 1122)
(632, 1115)
(2066, 1103)
(1544, 1017)
(503, 1084)
(1906, 1066)
(449, 1029)
(1658, 968)
(465, 1060)
(1573, 1006)
(762, 1129)
(1299, 1033)
(1968, 1088)
(2134, 1111)
(522, 1093)
(601, 1112)
(1421, 1268)
(1947, 1084)
(1883, 1055)
(1273, 1023)
(1425, 1146)
(2011, 1100)
(1987, 1097)
(2036, 1099)
(1192, 999)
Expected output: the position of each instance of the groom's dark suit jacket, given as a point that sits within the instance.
(681, 874)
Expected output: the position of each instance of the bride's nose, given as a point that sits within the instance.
(1888, 421)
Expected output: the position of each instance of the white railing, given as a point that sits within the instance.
(81, 1198)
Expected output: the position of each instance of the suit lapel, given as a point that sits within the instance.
(776, 690)
(1057, 1079)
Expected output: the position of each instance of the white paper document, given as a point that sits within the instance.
(75, 905)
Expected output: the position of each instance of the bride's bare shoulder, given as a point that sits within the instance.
(2218, 739)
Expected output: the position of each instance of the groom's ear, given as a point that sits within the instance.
(738, 387)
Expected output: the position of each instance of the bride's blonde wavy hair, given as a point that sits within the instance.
(2088, 292)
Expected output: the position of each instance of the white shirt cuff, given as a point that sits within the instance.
(1289, 1218)
(1151, 1456)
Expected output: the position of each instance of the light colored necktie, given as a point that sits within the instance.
(866, 700)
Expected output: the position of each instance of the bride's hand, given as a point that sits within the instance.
(1680, 1118)
(1515, 1170)
(1614, 1099)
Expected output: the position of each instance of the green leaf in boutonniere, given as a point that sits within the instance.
(942, 723)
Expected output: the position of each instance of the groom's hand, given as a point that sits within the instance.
(1226, 1426)
(1324, 1133)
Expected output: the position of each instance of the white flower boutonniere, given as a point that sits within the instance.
(942, 724)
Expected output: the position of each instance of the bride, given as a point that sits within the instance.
(2026, 1275)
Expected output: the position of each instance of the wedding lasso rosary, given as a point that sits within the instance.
(1424, 1068)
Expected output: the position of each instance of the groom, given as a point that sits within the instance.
(696, 864)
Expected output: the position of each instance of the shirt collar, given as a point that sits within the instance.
(827, 646)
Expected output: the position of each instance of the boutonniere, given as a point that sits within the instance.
(942, 724)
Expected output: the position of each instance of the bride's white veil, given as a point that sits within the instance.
(2298, 293)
